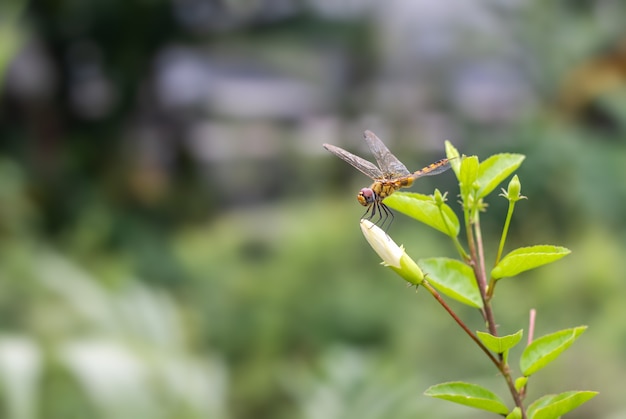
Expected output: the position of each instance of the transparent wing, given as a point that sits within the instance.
(433, 169)
(388, 163)
(357, 162)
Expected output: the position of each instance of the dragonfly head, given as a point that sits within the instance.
(366, 197)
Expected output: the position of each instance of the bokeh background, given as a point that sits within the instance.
(175, 243)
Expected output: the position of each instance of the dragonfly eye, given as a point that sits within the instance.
(366, 196)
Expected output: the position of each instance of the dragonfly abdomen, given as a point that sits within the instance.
(432, 169)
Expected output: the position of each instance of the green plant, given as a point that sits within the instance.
(469, 281)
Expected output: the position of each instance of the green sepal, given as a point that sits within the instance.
(409, 270)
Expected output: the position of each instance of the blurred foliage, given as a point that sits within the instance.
(146, 273)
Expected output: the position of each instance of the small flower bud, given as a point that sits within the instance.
(439, 198)
(513, 191)
(392, 255)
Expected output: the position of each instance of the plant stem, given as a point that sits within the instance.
(531, 334)
(516, 396)
(502, 367)
(477, 262)
(505, 231)
(472, 249)
(456, 318)
(459, 248)
(531, 325)
(481, 278)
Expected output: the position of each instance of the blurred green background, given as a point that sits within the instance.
(175, 243)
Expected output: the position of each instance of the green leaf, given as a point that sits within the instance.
(499, 344)
(424, 209)
(468, 175)
(515, 414)
(455, 158)
(452, 278)
(468, 394)
(547, 348)
(526, 258)
(495, 169)
(555, 405)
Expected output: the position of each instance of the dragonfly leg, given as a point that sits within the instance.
(371, 212)
(388, 215)
(367, 215)
(376, 211)
(381, 212)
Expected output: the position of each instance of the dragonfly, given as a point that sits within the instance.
(388, 177)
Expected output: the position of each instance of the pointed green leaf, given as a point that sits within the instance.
(555, 405)
(455, 158)
(515, 414)
(499, 344)
(468, 394)
(547, 348)
(495, 169)
(424, 209)
(452, 278)
(526, 258)
(468, 175)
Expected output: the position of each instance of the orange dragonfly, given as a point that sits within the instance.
(389, 176)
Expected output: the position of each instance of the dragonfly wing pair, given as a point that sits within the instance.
(389, 167)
